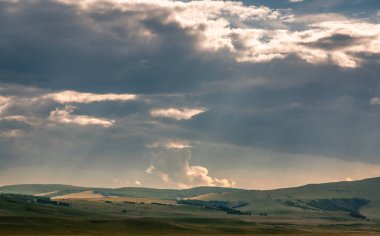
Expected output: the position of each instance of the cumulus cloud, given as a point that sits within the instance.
(224, 182)
(177, 113)
(294, 1)
(69, 96)
(173, 166)
(212, 22)
(185, 11)
(339, 42)
(65, 116)
(375, 101)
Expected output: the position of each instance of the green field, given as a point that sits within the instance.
(345, 208)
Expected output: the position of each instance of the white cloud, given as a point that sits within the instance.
(375, 101)
(295, 1)
(28, 103)
(188, 13)
(173, 166)
(315, 45)
(65, 116)
(150, 169)
(4, 102)
(27, 98)
(177, 113)
(13, 133)
(171, 144)
(69, 96)
(199, 174)
(349, 179)
(15, 118)
(224, 182)
(137, 182)
(21, 118)
(214, 23)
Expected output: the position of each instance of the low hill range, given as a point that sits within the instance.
(56, 190)
(353, 196)
(353, 205)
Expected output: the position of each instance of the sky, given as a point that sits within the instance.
(255, 94)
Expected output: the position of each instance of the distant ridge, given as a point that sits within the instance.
(37, 188)
(352, 188)
(60, 189)
(360, 198)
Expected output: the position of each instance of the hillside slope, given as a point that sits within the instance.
(356, 198)
(311, 198)
(53, 190)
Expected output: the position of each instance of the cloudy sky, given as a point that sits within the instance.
(255, 94)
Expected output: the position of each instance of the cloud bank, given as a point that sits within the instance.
(97, 87)
(212, 22)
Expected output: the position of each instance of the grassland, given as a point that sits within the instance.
(346, 208)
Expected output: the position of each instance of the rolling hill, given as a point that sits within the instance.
(360, 197)
(54, 190)
(332, 207)
(304, 199)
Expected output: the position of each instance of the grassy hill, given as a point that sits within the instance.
(23, 215)
(300, 201)
(33, 189)
(345, 198)
(320, 209)
(164, 193)
(53, 190)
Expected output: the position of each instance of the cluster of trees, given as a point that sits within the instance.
(342, 204)
(299, 203)
(50, 202)
(225, 206)
(352, 205)
(34, 199)
(356, 214)
(129, 202)
(160, 204)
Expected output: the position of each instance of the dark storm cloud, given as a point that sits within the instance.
(53, 45)
(59, 46)
(328, 113)
(293, 96)
(336, 41)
